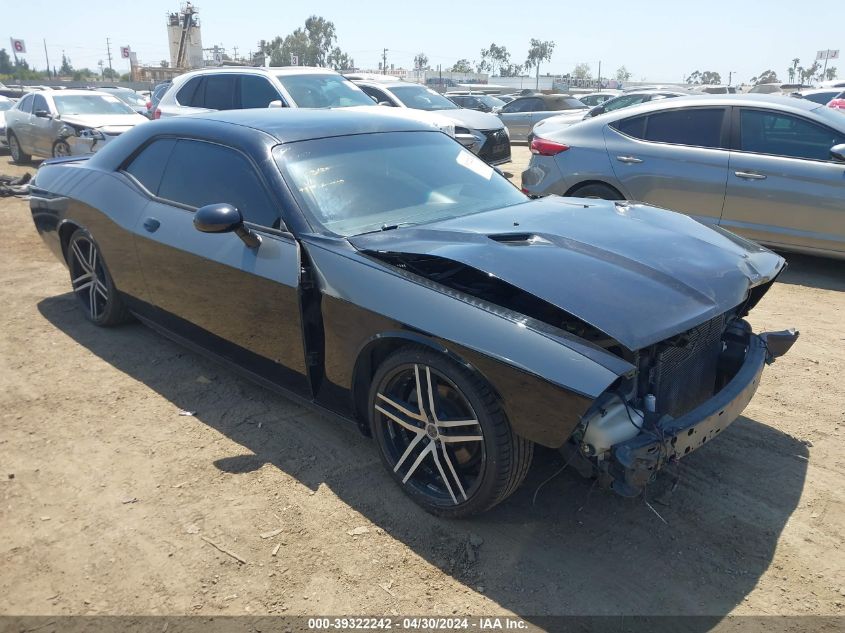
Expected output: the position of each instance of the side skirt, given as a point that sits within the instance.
(242, 371)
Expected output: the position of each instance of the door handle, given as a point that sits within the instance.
(749, 175)
(151, 225)
(631, 160)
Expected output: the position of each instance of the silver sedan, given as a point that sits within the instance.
(65, 122)
(771, 168)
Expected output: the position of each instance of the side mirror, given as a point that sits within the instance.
(837, 152)
(276, 104)
(224, 218)
(386, 103)
(373, 98)
(42, 114)
(595, 111)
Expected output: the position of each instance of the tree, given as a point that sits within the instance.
(6, 67)
(313, 45)
(461, 66)
(705, 77)
(539, 52)
(421, 61)
(622, 74)
(808, 73)
(493, 59)
(581, 71)
(767, 77)
(338, 60)
(66, 69)
(830, 73)
(510, 70)
(110, 73)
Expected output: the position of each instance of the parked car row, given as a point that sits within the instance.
(768, 167)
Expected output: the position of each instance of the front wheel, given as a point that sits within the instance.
(61, 148)
(92, 284)
(443, 435)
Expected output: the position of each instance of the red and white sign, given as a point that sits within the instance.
(124, 52)
(828, 54)
(19, 46)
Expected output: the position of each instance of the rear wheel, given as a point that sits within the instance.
(92, 284)
(18, 155)
(597, 190)
(443, 435)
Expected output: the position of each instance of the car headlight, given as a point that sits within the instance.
(91, 133)
(449, 129)
(507, 131)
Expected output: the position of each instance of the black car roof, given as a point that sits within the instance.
(299, 124)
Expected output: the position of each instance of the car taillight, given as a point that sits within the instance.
(149, 105)
(545, 147)
(157, 113)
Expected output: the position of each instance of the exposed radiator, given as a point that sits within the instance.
(683, 377)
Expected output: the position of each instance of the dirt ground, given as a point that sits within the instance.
(108, 490)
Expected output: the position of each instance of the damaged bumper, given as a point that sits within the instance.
(636, 462)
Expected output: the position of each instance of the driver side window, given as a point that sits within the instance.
(200, 173)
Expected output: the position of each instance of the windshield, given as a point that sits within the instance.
(356, 184)
(491, 101)
(131, 98)
(323, 91)
(832, 117)
(422, 98)
(91, 104)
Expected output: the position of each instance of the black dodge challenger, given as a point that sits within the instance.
(376, 269)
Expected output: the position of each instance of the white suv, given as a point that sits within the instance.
(238, 88)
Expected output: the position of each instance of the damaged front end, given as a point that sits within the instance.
(686, 391)
(83, 140)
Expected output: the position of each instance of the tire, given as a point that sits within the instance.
(61, 148)
(91, 282)
(19, 157)
(447, 477)
(596, 190)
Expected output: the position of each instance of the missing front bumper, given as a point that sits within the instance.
(636, 462)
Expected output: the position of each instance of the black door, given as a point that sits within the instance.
(241, 303)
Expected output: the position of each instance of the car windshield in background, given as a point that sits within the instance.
(358, 184)
(324, 91)
(91, 104)
(422, 98)
(491, 101)
(131, 98)
(5, 105)
(568, 103)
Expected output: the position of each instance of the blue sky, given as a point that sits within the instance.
(657, 40)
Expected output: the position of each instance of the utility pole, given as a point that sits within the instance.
(384, 61)
(599, 75)
(108, 51)
(48, 59)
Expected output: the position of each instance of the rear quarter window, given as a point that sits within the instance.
(188, 92)
(148, 166)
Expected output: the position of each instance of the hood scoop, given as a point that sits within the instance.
(519, 239)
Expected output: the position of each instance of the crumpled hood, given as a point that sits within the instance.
(473, 119)
(638, 273)
(97, 121)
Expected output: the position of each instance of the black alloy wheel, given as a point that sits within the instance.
(91, 282)
(443, 435)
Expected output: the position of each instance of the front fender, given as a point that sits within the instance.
(545, 381)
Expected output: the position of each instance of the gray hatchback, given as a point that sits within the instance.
(771, 168)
